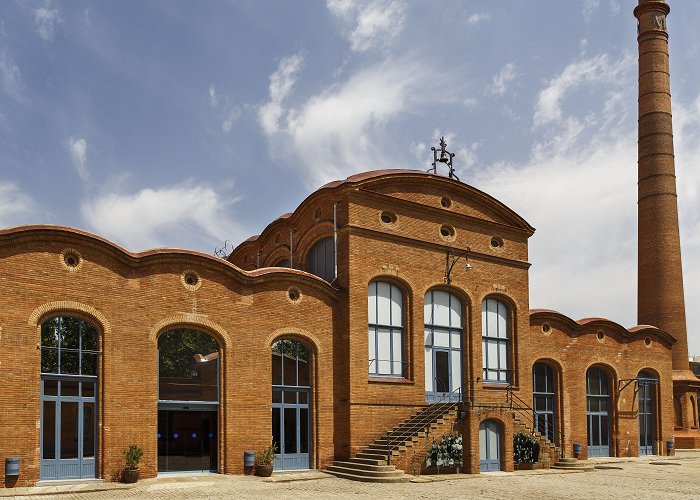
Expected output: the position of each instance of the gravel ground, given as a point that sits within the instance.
(648, 478)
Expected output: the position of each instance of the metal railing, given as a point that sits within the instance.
(531, 416)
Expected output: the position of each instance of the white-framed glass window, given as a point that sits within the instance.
(495, 339)
(321, 259)
(385, 308)
(443, 345)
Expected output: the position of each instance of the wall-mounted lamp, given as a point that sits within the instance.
(452, 259)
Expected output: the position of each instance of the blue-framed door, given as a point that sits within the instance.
(291, 428)
(68, 443)
(598, 412)
(443, 366)
(489, 446)
(645, 397)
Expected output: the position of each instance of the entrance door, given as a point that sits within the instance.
(186, 441)
(646, 385)
(543, 400)
(598, 402)
(291, 394)
(489, 446)
(443, 347)
(68, 428)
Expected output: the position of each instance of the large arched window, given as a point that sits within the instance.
(385, 306)
(69, 350)
(443, 345)
(321, 259)
(598, 411)
(495, 339)
(188, 366)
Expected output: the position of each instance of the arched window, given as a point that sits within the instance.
(443, 345)
(321, 259)
(69, 350)
(385, 306)
(543, 400)
(291, 394)
(598, 412)
(646, 387)
(495, 339)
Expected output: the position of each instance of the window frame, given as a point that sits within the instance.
(374, 328)
(503, 344)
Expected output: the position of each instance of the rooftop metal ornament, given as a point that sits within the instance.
(445, 157)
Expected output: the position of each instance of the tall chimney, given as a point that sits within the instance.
(659, 277)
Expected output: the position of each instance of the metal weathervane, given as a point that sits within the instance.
(445, 157)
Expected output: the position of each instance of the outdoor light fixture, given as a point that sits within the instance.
(452, 259)
(445, 157)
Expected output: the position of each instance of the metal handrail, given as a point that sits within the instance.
(426, 416)
(526, 410)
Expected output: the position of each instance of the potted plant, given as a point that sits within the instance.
(132, 454)
(264, 459)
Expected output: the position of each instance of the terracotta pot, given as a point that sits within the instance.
(263, 470)
(130, 476)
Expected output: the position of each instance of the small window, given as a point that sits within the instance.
(71, 259)
(600, 336)
(496, 242)
(447, 232)
(293, 294)
(321, 259)
(546, 328)
(445, 202)
(388, 217)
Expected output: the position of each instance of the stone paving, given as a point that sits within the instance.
(642, 478)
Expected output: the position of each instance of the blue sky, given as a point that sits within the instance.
(186, 123)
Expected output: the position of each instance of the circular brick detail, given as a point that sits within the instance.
(71, 260)
(190, 279)
(293, 295)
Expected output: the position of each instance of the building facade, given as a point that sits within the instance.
(384, 296)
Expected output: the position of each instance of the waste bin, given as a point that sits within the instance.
(248, 458)
(12, 466)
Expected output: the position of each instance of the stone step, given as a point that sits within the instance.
(367, 461)
(569, 460)
(405, 478)
(366, 473)
(360, 466)
(373, 456)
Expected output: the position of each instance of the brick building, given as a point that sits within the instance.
(388, 310)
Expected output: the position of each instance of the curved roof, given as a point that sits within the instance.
(581, 325)
(40, 231)
(367, 179)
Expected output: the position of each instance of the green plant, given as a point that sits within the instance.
(132, 454)
(525, 449)
(446, 453)
(266, 456)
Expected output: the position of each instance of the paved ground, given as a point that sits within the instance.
(677, 478)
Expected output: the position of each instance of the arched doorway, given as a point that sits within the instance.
(543, 400)
(68, 443)
(443, 346)
(598, 412)
(646, 387)
(489, 446)
(188, 401)
(291, 408)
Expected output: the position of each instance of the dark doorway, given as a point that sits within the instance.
(186, 441)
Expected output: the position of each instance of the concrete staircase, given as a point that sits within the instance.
(372, 464)
(549, 452)
(573, 465)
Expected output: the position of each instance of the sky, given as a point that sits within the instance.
(187, 123)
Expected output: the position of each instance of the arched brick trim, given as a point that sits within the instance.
(67, 306)
(304, 336)
(191, 320)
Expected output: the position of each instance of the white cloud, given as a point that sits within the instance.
(500, 81)
(230, 119)
(595, 71)
(10, 76)
(338, 131)
(16, 207)
(213, 99)
(477, 18)
(78, 152)
(589, 7)
(46, 20)
(375, 23)
(281, 83)
(154, 217)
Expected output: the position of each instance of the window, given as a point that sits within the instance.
(188, 366)
(495, 327)
(443, 345)
(543, 400)
(321, 259)
(68, 347)
(385, 305)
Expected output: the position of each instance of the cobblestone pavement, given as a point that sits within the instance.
(636, 478)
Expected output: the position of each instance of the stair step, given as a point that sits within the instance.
(361, 466)
(372, 456)
(366, 473)
(405, 478)
(367, 461)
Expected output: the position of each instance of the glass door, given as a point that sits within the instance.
(186, 441)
